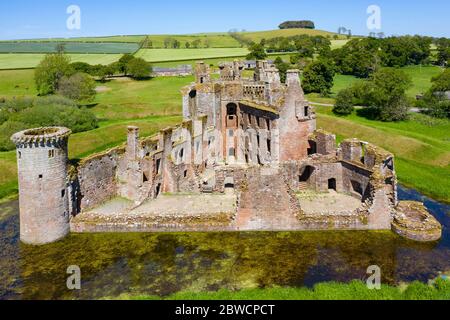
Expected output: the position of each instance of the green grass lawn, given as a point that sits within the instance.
(14, 83)
(129, 99)
(355, 290)
(155, 55)
(31, 60)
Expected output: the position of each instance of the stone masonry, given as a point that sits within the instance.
(252, 140)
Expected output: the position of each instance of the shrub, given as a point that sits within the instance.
(344, 102)
(7, 129)
(79, 87)
(41, 112)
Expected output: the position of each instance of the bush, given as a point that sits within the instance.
(7, 129)
(42, 112)
(344, 102)
(79, 87)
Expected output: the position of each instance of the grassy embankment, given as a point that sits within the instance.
(355, 290)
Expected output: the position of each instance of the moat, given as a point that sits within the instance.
(149, 263)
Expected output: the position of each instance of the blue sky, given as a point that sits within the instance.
(20, 19)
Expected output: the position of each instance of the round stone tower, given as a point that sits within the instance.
(43, 188)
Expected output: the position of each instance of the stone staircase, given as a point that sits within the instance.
(269, 205)
(302, 186)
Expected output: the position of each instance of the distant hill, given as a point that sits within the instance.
(214, 40)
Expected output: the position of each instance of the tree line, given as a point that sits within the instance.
(383, 92)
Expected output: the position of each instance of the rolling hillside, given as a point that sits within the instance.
(216, 40)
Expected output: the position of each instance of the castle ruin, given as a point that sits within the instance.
(247, 157)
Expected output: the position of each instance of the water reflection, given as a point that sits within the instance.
(165, 263)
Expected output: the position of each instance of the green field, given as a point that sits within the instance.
(156, 55)
(215, 39)
(71, 47)
(31, 60)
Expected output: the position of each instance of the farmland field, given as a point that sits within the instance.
(71, 47)
(215, 39)
(155, 55)
(31, 60)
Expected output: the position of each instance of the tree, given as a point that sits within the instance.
(257, 52)
(388, 96)
(344, 102)
(282, 67)
(319, 77)
(443, 49)
(435, 102)
(187, 44)
(49, 71)
(60, 48)
(196, 43)
(79, 87)
(138, 68)
(123, 62)
(207, 43)
(81, 67)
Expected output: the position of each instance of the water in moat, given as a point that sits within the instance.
(160, 264)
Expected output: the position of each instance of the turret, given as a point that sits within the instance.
(43, 186)
(202, 72)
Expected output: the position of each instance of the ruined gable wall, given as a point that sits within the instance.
(97, 178)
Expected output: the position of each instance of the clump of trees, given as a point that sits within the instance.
(362, 57)
(436, 101)
(22, 113)
(302, 24)
(305, 45)
(383, 96)
(128, 65)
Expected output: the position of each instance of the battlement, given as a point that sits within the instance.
(41, 135)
